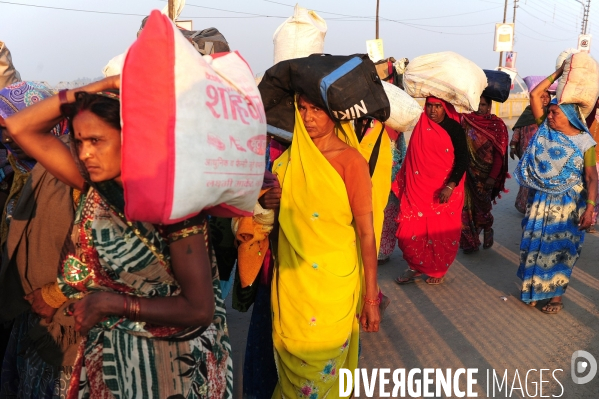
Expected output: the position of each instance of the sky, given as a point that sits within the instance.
(58, 44)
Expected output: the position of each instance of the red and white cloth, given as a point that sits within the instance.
(193, 129)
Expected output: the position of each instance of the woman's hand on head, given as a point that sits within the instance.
(560, 70)
(113, 82)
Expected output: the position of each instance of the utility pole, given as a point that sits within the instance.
(171, 10)
(514, 19)
(585, 16)
(377, 19)
(586, 20)
(504, 16)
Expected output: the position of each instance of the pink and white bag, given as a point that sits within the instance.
(193, 129)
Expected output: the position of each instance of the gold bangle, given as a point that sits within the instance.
(449, 187)
(52, 295)
(591, 202)
(551, 79)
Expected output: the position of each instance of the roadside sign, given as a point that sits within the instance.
(504, 37)
(584, 43)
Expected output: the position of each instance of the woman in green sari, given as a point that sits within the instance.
(149, 297)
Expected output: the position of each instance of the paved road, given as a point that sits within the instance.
(465, 323)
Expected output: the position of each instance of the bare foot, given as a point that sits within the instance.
(554, 306)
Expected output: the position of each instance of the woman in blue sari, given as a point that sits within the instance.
(559, 168)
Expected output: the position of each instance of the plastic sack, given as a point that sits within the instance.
(579, 84)
(300, 35)
(193, 139)
(347, 86)
(533, 81)
(8, 73)
(448, 76)
(564, 55)
(114, 66)
(498, 85)
(405, 111)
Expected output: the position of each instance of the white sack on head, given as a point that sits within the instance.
(563, 55)
(8, 73)
(405, 111)
(447, 76)
(300, 35)
(203, 123)
(579, 84)
(114, 66)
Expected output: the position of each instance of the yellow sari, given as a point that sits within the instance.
(317, 284)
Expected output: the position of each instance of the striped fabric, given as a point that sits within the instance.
(121, 358)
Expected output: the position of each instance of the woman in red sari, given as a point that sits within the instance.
(487, 139)
(430, 189)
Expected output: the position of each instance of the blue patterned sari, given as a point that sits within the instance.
(553, 169)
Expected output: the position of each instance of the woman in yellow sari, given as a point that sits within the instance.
(325, 281)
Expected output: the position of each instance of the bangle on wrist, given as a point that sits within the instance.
(62, 96)
(550, 78)
(373, 302)
(449, 187)
(52, 295)
(591, 202)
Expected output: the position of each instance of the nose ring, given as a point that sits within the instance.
(87, 155)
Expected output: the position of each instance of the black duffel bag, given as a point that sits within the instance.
(498, 85)
(347, 87)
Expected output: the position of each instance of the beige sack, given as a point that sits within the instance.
(579, 83)
(300, 35)
(563, 55)
(8, 73)
(405, 111)
(447, 76)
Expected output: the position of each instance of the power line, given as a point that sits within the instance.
(386, 19)
(551, 23)
(231, 11)
(540, 11)
(72, 9)
(126, 14)
(551, 39)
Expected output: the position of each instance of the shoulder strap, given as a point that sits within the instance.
(375, 151)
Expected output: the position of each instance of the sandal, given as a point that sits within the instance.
(439, 280)
(488, 239)
(556, 305)
(407, 277)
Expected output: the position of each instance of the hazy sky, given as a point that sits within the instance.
(54, 45)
